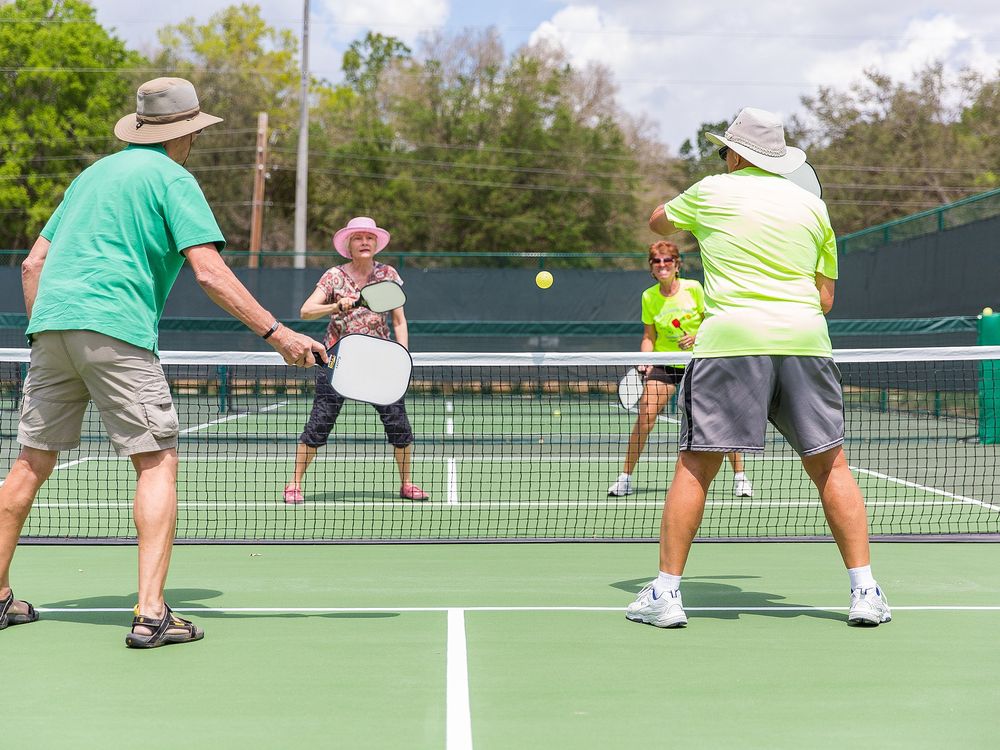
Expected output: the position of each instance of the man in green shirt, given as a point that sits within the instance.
(95, 283)
(763, 353)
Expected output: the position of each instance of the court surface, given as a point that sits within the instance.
(500, 646)
(537, 466)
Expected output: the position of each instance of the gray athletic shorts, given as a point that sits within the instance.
(126, 384)
(726, 403)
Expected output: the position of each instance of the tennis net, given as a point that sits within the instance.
(522, 447)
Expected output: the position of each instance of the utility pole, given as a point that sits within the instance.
(257, 206)
(302, 160)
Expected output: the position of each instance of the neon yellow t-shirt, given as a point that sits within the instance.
(687, 307)
(763, 240)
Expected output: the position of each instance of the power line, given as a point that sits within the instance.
(645, 31)
(467, 183)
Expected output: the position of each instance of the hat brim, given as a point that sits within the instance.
(128, 129)
(342, 236)
(792, 159)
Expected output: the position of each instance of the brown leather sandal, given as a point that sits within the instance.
(8, 618)
(161, 635)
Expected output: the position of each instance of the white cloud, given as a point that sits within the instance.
(403, 19)
(684, 64)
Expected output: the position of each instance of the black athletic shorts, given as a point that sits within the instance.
(326, 408)
(669, 375)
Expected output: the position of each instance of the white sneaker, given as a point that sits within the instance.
(742, 487)
(868, 607)
(665, 611)
(622, 486)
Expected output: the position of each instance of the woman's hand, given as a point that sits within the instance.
(686, 342)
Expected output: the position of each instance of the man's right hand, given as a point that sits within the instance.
(296, 348)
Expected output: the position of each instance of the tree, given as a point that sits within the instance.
(469, 150)
(240, 67)
(66, 81)
(885, 149)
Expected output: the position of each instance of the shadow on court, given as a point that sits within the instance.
(706, 591)
(183, 601)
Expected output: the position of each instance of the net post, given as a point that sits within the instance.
(989, 382)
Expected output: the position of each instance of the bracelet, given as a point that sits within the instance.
(271, 330)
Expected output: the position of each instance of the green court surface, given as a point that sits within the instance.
(502, 646)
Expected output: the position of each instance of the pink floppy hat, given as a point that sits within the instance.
(354, 226)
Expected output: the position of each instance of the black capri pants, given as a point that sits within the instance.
(326, 408)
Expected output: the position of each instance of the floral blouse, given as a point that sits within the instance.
(337, 285)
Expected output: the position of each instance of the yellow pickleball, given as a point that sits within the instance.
(986, 311)
(543, 279)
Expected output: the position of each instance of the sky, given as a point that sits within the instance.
(676, 64)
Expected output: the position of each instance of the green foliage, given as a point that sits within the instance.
(467, 150)
(240, 66)
(65, 83)
(884, 149)
(701, 158)
(460, 147)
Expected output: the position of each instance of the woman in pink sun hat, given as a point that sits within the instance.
(335, 294)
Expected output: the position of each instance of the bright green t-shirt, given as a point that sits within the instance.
(116, 241)
(763, 240)
(686, 306)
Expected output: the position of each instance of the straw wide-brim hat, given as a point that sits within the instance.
(165, 108)
(364, 224)
(758, 136)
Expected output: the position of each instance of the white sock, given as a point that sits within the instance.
(861, 578)
(665, 582)
(740, 475)
(623, 475)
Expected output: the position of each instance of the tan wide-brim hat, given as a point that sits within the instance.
(165, 108)
(759, 137)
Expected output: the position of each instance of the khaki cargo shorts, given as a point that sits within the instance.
(125, 382)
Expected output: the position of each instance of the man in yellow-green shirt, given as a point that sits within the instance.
(762, 354)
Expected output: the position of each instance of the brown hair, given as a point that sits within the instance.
(662, 247)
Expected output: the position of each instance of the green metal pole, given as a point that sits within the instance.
(989, 382)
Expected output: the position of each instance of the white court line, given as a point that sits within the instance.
(925, 488)
(451, 463)
(73, 463)
(452, 483)
(231, 417)
(459, 715)
(618, 608)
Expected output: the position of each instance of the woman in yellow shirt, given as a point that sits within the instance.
(672, 311)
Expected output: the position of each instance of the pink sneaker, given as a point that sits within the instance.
(412, 492)
(293, 496)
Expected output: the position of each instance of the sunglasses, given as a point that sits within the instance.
(663, 261)
(724, 152)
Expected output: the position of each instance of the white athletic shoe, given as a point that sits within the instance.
(868, 607)
(665, 611)
(742, 487)
(622, 486)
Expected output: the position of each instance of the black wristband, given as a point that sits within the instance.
(270, 332)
